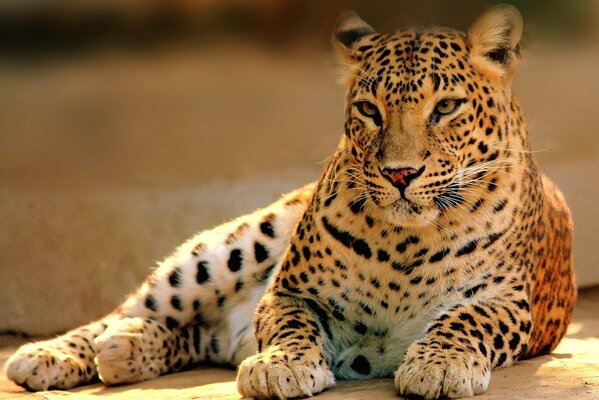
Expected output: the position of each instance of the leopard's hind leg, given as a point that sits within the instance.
(62, 362)
(136, 349)
(208, 287)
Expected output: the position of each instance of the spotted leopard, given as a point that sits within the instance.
(432, 250)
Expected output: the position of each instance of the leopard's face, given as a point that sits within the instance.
(424, 123)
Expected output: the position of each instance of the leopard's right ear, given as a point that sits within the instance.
(349, 29)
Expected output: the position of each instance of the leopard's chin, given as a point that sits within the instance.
(407, 213)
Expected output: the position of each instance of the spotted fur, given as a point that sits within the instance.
(432, 250)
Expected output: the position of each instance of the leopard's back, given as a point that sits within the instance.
(553, 287)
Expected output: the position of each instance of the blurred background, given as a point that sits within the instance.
(128, 125)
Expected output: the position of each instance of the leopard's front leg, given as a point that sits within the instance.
(455, 357)
(290, 362)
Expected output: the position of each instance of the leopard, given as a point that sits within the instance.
(432, 250)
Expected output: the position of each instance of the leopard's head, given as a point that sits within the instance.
(427, 111)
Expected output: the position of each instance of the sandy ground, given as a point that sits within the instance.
(570, 372)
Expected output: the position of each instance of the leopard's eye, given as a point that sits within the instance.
(443, 108)
(369, 110)
(446, 106)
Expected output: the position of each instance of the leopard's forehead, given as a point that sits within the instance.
(414, 50)
(402, 61)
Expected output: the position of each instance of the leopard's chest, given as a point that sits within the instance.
(377, 307)
(373, 317)
(376, 294)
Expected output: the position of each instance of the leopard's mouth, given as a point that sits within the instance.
(400, 208)
(409, 213)
(405, 205)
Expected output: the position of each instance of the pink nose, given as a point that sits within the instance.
(400, 177)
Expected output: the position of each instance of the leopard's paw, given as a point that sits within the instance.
(51, 364)
(432, 372)
(132, 350)
(273, 374)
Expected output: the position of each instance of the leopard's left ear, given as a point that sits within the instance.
(494, 39)
(349, 29)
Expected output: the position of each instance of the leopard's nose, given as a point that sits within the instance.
(401, 177)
